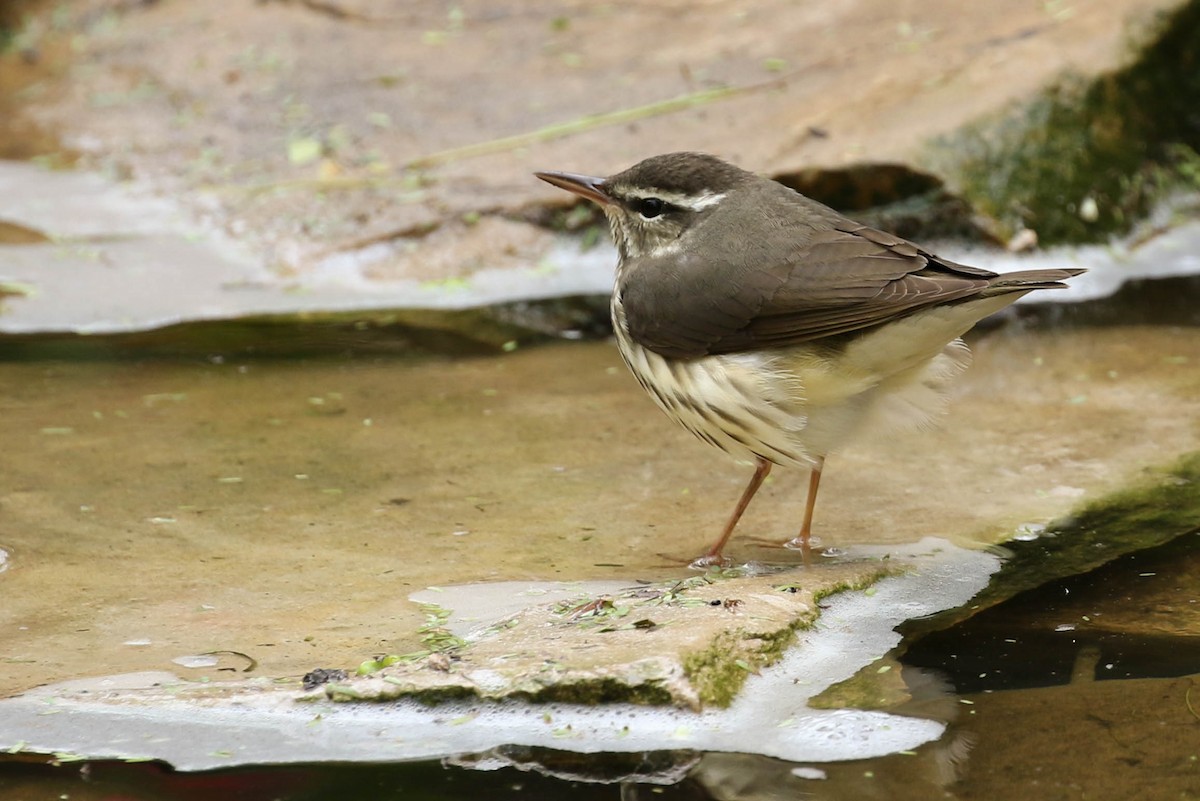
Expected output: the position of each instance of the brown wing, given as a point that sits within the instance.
(834, 281)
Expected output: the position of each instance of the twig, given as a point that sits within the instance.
(556, 130)
(588, 123)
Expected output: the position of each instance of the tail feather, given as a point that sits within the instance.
(1028, 280)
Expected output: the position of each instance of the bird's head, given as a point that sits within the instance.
(653, 205)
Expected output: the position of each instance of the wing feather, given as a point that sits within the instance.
(833, 281)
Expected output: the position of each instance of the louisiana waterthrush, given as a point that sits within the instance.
(773, 327)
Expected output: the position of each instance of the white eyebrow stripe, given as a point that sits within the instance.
(704, 201)
(690, 202)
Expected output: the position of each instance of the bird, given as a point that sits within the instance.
(773, 327)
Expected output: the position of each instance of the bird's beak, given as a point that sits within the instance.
(582, 185)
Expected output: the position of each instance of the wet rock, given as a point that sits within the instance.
(1162, 506)
(896, 198)
(320, 206)
(1134, 617)
(690, 643)
(16, 234)
(160, 270)
(195, 725)
(301, 163)
(542, 463)
(318, 676)
(1090, 155)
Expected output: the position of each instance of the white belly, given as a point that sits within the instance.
(793, 405)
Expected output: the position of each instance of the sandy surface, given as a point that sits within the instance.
(311, 129)
(287, 509)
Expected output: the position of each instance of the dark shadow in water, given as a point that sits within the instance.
(1061, 631)
(415, 781)
(483, 331)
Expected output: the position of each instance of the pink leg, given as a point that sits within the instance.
(714, 557)
(814, 481)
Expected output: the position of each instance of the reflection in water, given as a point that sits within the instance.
(1005, 741)
(1132, 618)
(515, 774)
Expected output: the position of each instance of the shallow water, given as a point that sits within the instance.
(285, 509)
(1071, 726)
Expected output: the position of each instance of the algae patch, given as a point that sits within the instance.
(719, 671)
(879, 685)
(1154, 511)
(1163, 505)
(1088, 158)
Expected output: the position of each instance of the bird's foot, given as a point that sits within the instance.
(794, 544)
(813, 546)
(805, 544)
(807, 550)
(710, 560)
(699, 563)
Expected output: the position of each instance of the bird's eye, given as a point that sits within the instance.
(650, 207)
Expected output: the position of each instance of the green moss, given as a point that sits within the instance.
(1163, 506)
(1088, 158)
(313, 334)
(878, 685)
(1155, 511)
(428, 696)
(602, 691)
(436, 637)
(584, 691)
(718, 672)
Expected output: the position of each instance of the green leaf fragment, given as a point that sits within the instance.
(303, 151)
